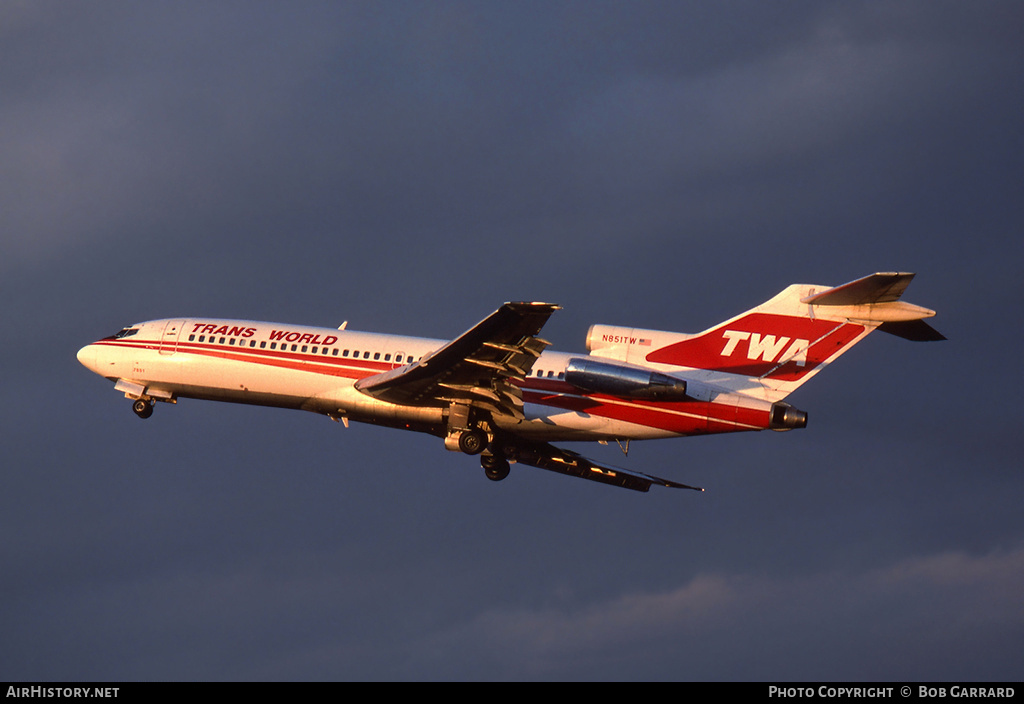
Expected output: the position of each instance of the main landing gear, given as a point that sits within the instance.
(494, 456)
(143, 408)
(495, 468)
(472, 438)
(473, 441)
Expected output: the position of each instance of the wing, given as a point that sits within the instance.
(562, 461)
(478, 368)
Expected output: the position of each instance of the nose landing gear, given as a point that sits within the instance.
(143, 408)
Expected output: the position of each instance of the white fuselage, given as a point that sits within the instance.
(314, 369)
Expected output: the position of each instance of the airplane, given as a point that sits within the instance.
(496, 390)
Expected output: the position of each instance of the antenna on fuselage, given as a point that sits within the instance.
(343, 325)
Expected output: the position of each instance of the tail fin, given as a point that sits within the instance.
(771, 350)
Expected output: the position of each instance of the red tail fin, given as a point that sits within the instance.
(763, 345)
(772, 349)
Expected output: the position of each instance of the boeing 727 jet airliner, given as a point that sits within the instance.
(496, 392)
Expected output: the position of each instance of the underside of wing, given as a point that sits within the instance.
(555, 459)
(915, 330)
(479, 368)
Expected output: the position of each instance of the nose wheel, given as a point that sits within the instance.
(143, 408)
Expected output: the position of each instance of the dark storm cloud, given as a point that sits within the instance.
(407, 167)
(713, 609)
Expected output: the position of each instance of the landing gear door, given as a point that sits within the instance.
(169, 339)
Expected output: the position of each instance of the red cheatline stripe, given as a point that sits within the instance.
(333, 366)
(684, 417)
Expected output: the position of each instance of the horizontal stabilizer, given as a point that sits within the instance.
(883, 287)
(875, 300)
(915, 330)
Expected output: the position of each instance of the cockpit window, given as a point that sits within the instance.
(126, 332)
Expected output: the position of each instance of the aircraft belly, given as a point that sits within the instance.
(346, 401)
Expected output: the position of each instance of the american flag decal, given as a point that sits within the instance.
(646, 342)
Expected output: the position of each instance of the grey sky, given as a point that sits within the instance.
(409, 166)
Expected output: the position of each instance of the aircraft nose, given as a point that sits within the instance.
(87, 356)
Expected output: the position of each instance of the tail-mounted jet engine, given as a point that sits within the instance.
(618, 380)
(785, 417)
